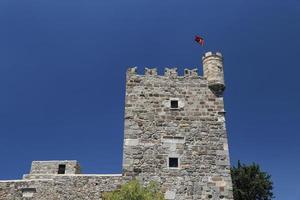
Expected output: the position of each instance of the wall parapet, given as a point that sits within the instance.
(24, 180)
(51, 176)
(55, 167)
(212, 54)
(168, 72)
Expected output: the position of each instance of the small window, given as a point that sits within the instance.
(61, 169)
(28, 192)
(220, 68)
(173, 162)
(174, 103)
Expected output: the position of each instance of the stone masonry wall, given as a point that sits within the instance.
(51, 167)
(60, 187)
(195, 133)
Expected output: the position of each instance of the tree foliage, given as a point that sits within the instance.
(250, 183)
(133, 190)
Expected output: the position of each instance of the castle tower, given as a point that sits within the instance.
(213, 71)
(175, 131)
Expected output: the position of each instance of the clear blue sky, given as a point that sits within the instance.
(62, 77)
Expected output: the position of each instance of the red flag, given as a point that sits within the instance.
(199, 40)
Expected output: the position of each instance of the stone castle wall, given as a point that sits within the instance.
(167, 117)
(194, 133)
(44, 183)
(51, 167)
(56, 187)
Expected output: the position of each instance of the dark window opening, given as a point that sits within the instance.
(28, 192)
(174, 104)
(61, 169)
(173, 162)
(220, 68)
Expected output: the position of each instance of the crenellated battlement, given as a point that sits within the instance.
(191, 73)
(151, 71)
(210, 62)
(213, 72)
(211, 54)
(171, 72)
(168, 72)
(132, 71)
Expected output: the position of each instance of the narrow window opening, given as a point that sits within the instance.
(61, 169)
(220, 68)
(174, 103)
(173, 162)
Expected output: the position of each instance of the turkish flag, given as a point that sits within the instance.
(199, 40)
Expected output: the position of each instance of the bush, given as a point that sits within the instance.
(133, 190)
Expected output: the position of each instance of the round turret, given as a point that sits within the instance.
(213, 71)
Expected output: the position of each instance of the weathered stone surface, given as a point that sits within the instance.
(169, 120)
(50, 167)
(50, 187)
(194, 131)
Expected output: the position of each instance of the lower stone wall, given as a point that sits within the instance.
(62, 187)
(91, 187)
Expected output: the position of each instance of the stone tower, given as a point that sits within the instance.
(175, 131)
(213, 72)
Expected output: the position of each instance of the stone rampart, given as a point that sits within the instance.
(60, 187)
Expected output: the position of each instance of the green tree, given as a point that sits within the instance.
(133, 190)
(250, 183)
